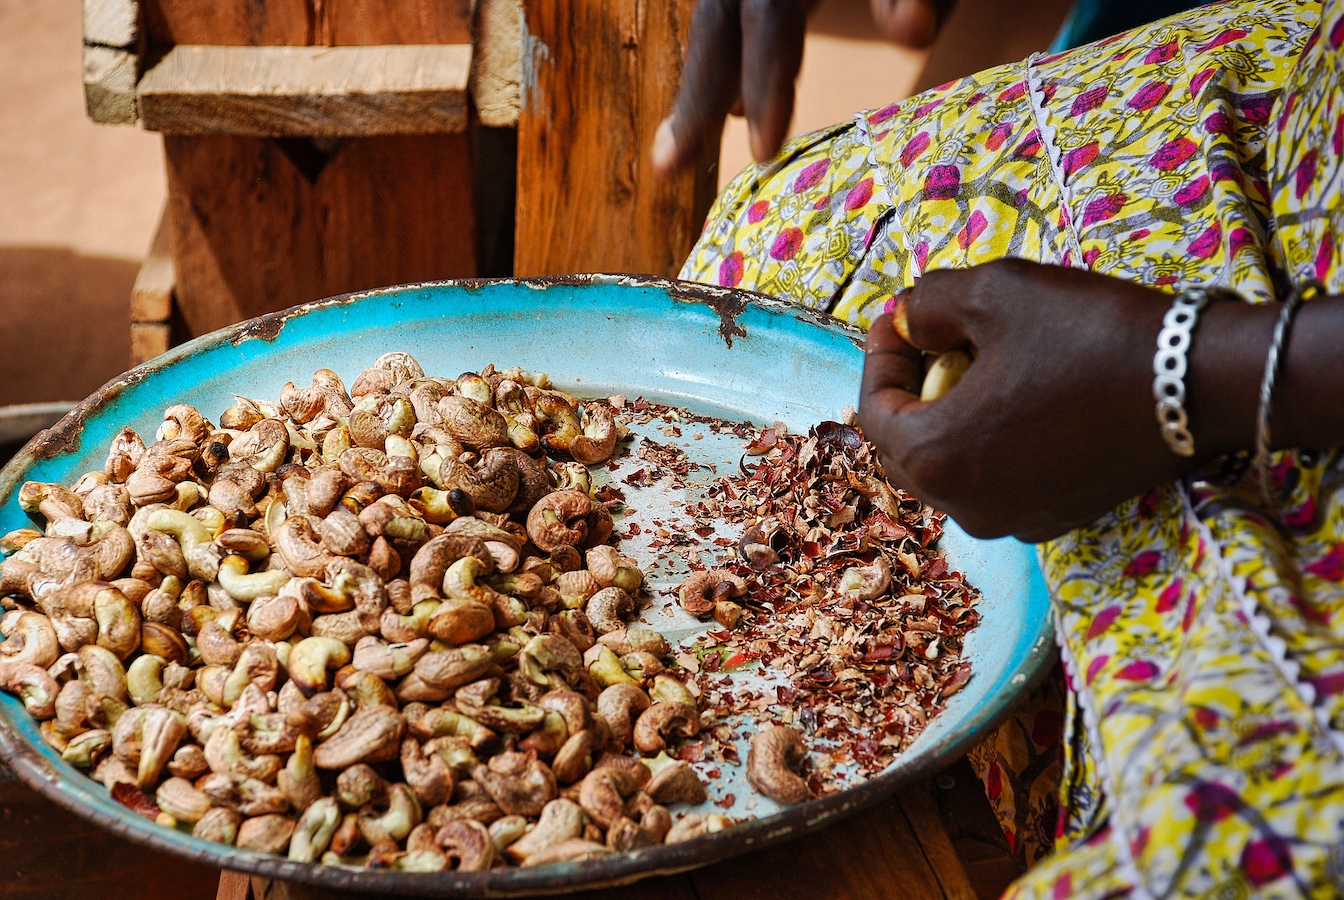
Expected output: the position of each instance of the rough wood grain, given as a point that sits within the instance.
(261, 23)
(234, 886)
(109, 84)
(354, 22)
(152, 295)
(675, 887)
(259, 225)
(496, 62)
(49, 854)
(307, 91)
(112, 23)
(921, 812)
(597, 79)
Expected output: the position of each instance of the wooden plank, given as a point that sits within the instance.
(673, 887)
(588, 199)
(152, 294)
(148, 340)
(250, 23)
(873, 854)
(496, 62)
(921, 811)
(234, 886)
(112, 23)
(355, 22)
(308, 91)
(109, 84)
(259, 225)
(258, 23)
(47, 853)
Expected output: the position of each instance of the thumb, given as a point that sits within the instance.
(935, 311)
(710, 86)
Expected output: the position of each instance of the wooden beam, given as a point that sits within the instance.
(337, 23)
(597, 79)
(111, 60)
(496, 62)
(152, 294)
(307, 91)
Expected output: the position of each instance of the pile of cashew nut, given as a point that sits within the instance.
(377, 627)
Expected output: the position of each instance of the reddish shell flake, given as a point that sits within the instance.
(864, 677)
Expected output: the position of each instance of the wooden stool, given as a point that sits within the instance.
(316, 148)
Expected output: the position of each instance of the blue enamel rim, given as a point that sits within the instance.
(715, 350)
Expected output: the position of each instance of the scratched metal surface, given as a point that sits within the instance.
(717, 352)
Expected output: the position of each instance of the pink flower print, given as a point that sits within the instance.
(1090, 256)
(1030, 145)
(1102, 621)
(1191, 605)
(757, 211)
(1170, 596)
(1161, 53)
(927, 108)
(1306, 171)
(1212, 801)
(975, 224)
(1095, 667)
(1062, 889)
(1173, 153)
(822, 203)
(1301, 515)
(787, 244)
(1337, 143)
(1079, 157)
(1208, 242)
(1337, 33)
(1013, 92)
(884, 114)
(1194, 192)
(1256, 109)
(1206, 718)
(1240, 239)
(914, 147)
(1148, 96)
(1197, 83)
(859, 194)
(1329, 684)
(1139, 670)
(1219, 123)
(1139, 234)
(1324, 254)
(943, 183)
(1310, 611)
(1330, 566)
(1266, 859)
(811, 175)
(1103, 208)
(1227, 37)
(1286, 113)
(1142, 564)
(1001, 133)
(730, 270)
(922, 254)
(1088, 100)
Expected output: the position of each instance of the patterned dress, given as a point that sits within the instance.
(1201, 627)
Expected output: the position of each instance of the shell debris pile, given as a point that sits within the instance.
(372, 627)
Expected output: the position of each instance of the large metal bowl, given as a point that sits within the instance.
(719, 352)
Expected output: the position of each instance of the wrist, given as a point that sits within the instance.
(1226, 363)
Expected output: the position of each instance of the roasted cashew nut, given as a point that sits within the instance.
(774, 752)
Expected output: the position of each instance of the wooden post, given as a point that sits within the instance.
(597, 78)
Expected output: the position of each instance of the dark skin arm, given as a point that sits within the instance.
(1054, 424)
(744, 57)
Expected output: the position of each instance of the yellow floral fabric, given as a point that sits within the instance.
(1201, 624)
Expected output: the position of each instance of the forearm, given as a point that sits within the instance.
(1227, 362)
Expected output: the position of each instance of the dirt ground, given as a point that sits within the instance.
(79, 202)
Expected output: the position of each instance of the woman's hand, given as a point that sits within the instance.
(744, 57)
(1054, 423)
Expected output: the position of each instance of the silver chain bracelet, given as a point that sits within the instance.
(1169, 367)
